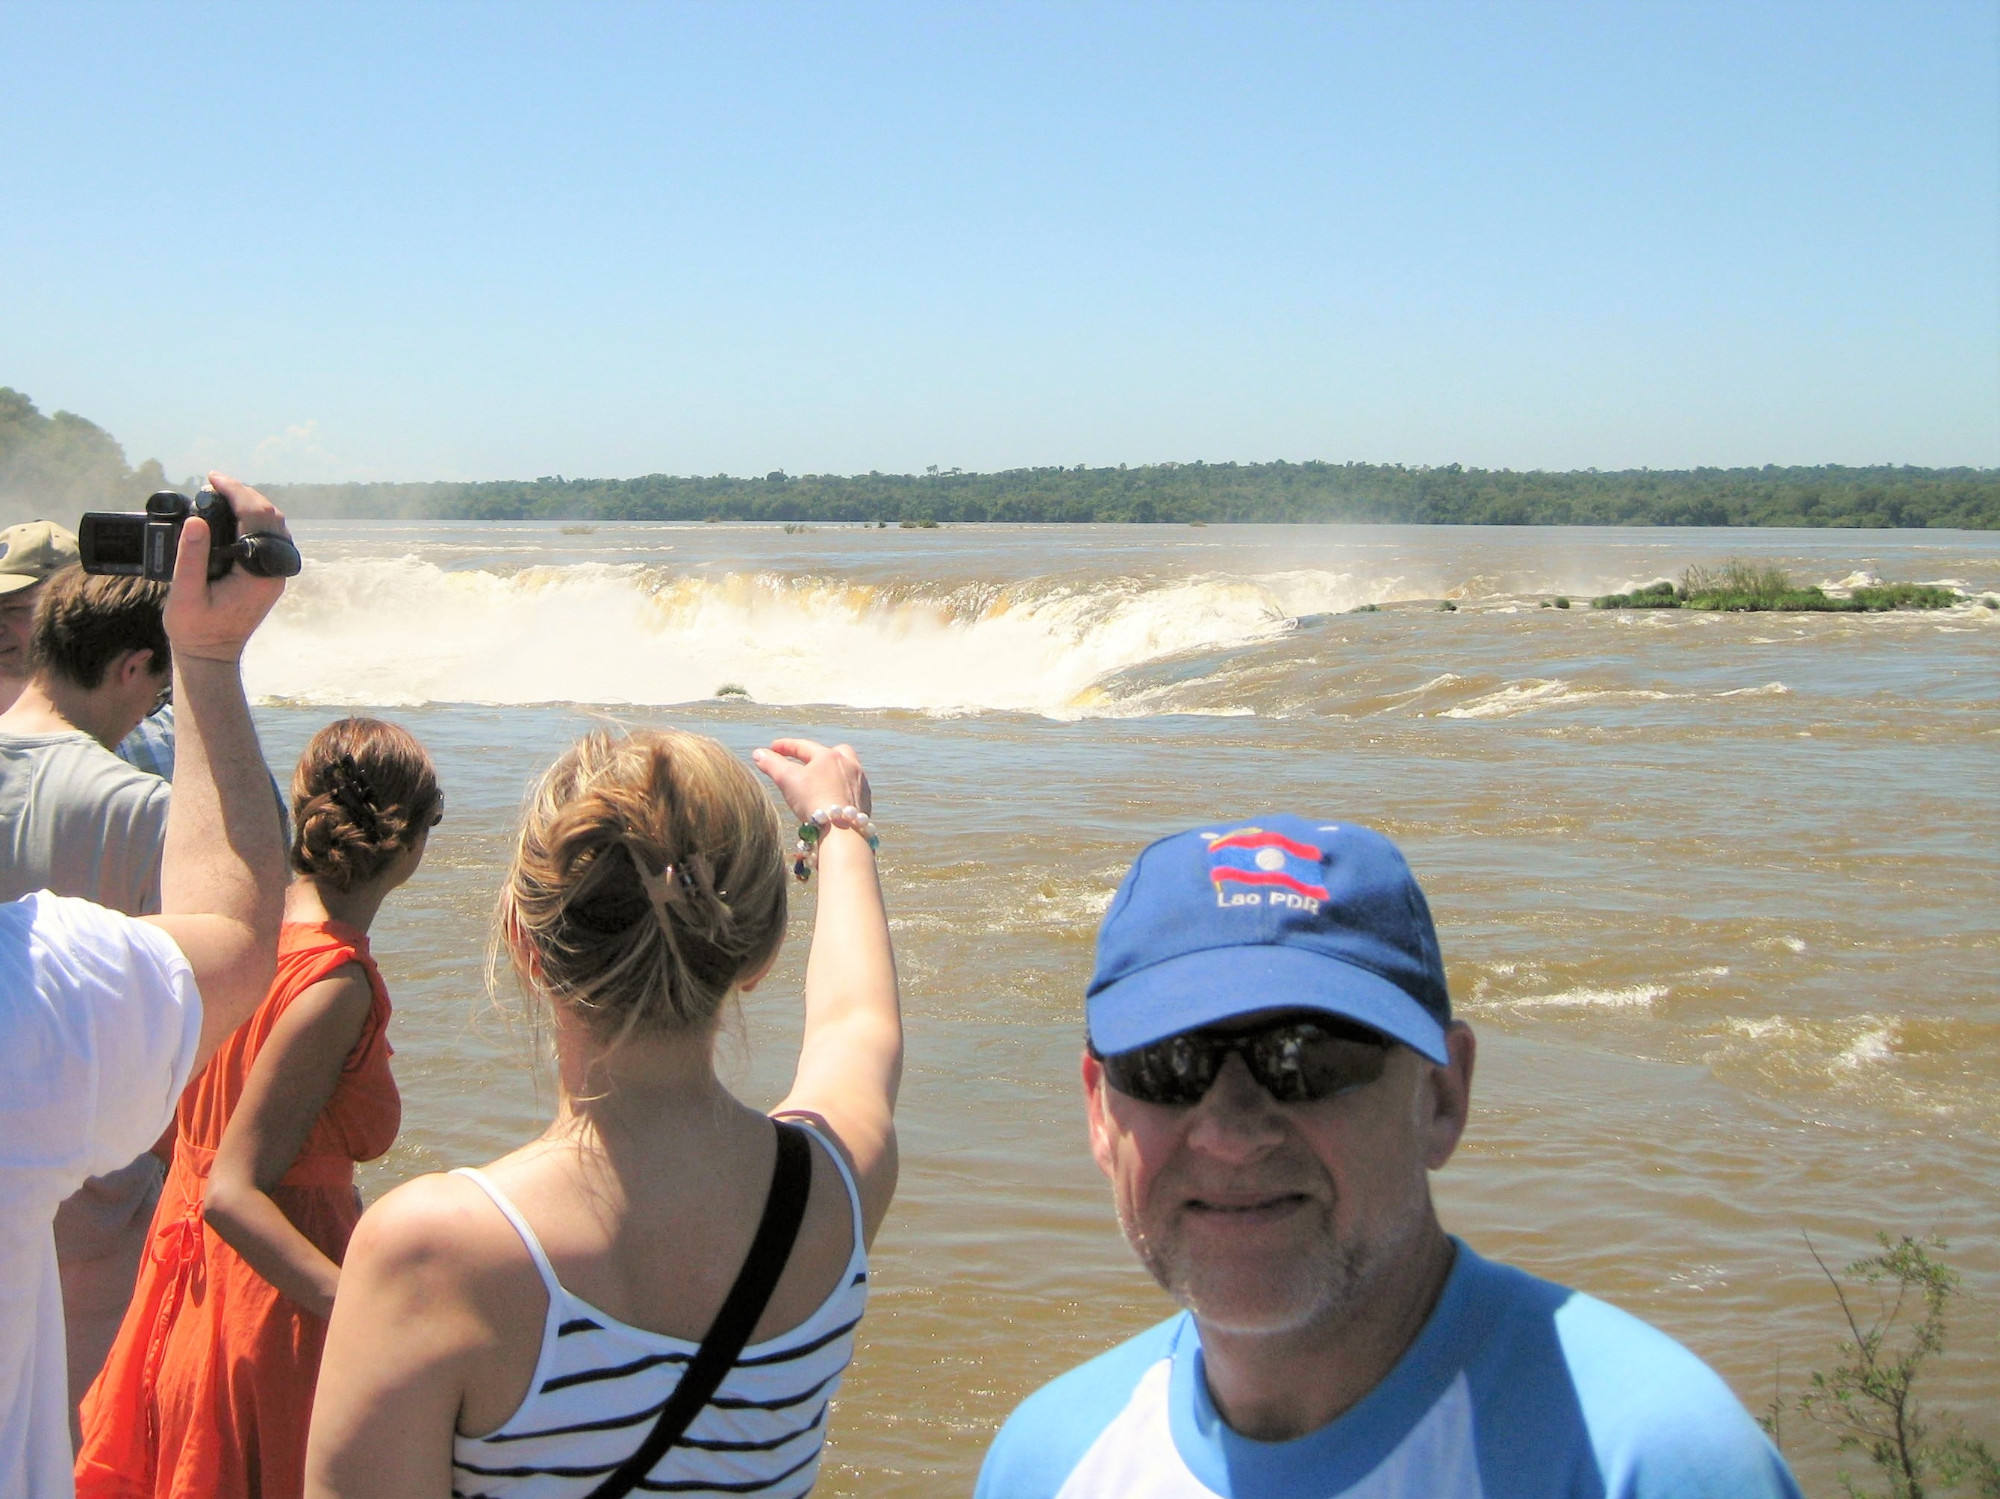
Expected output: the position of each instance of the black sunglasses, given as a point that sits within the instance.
(1295, 1061)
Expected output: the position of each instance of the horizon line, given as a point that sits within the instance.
(936, 473)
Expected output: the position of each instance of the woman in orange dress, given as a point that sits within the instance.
(208, 1389)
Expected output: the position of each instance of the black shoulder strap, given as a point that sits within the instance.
(784, 1210)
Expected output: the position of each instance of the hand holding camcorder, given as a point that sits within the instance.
(142, 544)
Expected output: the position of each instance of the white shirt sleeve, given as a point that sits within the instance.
(99, 1023)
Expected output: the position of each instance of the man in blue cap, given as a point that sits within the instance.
(1272, 1073)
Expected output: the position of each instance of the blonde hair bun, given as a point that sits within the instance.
(648, 882)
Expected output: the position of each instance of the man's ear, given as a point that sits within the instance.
(128, 667)
(1098, 1114)
(1450, 1095)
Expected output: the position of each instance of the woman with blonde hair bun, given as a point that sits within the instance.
(661, 1292)
(208, 1388)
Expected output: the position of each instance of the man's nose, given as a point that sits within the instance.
(1236, 1119)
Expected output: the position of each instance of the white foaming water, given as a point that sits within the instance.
(1846, 1049)
(1553, 692)
(1635, 996)
(1872, 1047)
(1769, 689)
(405, 632)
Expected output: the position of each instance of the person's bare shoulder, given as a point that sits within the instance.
(440, 1232)
(437, 1261)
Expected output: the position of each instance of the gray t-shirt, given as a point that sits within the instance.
(77, 820)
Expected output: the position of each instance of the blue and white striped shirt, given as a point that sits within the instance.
(599, 1385)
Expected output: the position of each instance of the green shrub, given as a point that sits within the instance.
(1739, 586)
(1653, 596)
(1868, 1399)
(1747, 587)
(1903, 596)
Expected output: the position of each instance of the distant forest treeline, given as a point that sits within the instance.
(1452, 495)
(56, 466)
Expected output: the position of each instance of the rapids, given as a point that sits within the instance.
(1720, 894)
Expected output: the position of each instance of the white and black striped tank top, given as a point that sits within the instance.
(599, 1384)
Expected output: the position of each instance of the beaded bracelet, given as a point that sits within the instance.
(805, 853)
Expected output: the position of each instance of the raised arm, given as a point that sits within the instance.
(851, 1060)
(222, 871)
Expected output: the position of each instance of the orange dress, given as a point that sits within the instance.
(208, 1389)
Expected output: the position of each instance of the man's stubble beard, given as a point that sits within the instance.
(1327, 1285)
(1322, 1286)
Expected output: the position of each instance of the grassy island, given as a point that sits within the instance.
(1743, 587)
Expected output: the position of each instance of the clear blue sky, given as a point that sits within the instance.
(500, 240)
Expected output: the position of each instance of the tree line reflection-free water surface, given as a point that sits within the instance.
(1719, 893)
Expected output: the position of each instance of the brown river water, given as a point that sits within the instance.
(1719, 893)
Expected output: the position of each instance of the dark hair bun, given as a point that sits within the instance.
(364, 791)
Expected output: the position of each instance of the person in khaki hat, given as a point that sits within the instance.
(30, 554)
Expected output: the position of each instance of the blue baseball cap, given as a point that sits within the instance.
(1274, 912)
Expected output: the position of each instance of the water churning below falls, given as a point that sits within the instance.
(1720, 894)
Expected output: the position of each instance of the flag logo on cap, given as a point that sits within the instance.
(1252, 867)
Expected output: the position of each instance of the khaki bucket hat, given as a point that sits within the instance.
(32, 552)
